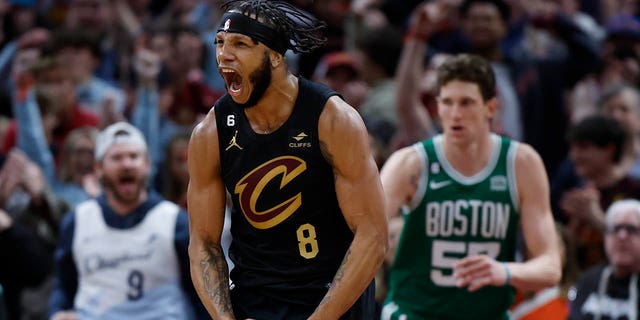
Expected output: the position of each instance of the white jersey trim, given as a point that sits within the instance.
(424, 177)
(512, 176)
(459, 177)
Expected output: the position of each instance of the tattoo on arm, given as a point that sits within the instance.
(414, 180)
(336, 279)
(325, 152)
(340, 273)
(215, 277)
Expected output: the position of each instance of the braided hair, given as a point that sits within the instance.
(301, 28)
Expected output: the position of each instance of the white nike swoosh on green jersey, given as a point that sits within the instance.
(440, 184)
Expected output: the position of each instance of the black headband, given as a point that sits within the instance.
(239, 23)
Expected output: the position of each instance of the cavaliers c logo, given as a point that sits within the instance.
(251, 186)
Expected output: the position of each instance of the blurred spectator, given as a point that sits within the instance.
(611, 8)
(80, 52)
(25, 262)
(29, 49)
(333, 13)
(368, 13)
(152, 95)
(192, 97)
(179, 12)
(532, 89)
(31, 213)
(621, 51)
(338, 71)
(124, 254)
(620, 65)
(596, 147)
(94, 16)
(485, 24)
(77, 163)
(52, 80)
(16, 18)
(577, 9)
(26, 195)
(622, 102)
(173, 174)
(149, 68)
(376, 55)
(46, 113)
(610, 291)
(416, 94)
(97, 17)
(133, 15)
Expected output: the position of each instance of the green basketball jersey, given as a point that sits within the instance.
(454, 216)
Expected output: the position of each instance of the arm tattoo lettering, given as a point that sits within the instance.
(215, 277)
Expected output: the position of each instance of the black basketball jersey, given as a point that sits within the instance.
(289, 235)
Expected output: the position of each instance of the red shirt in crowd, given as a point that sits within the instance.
(80, 118)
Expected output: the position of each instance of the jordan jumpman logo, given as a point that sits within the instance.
(233, 142)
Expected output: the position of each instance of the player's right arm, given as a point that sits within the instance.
(206, 202)
(400, 176)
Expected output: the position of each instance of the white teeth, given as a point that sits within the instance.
(227, 70)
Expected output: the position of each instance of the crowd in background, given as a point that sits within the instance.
(567, 72)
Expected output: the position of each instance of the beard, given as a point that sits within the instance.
(111, 186)
(260, 79)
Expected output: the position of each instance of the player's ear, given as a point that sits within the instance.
(275, 58)
(492, 106)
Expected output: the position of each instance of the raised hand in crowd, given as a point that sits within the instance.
(146, 64)
(430, 18)
(583, 205)
(18, 171)
(426, 20)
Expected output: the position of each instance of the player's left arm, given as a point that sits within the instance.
(543, 268)
(345, 145)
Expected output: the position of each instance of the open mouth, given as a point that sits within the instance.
(127, 181)
(233, 81)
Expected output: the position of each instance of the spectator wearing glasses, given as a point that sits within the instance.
(610, 291)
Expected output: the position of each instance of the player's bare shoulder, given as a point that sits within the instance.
(531, 175)
(400, 177)
(203, 145)
(338, 115)
(342, 132)
(206, 130)
(405, 161)
(527, 157)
